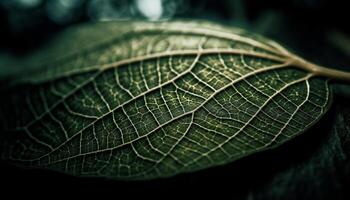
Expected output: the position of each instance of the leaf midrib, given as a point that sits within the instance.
(144, 58)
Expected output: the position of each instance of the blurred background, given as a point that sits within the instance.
(315, 165)
(304, 25)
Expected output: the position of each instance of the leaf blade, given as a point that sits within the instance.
(135, 118)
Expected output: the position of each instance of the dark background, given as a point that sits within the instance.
(315, 165)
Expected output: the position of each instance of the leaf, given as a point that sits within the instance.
(147, 100)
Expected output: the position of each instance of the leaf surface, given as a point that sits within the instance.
(147, 100)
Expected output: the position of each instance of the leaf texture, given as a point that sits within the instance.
(146, 100)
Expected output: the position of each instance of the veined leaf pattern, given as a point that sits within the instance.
(149, 100)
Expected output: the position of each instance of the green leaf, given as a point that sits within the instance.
(146, 100)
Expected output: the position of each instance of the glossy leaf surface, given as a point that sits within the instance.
(147, 100)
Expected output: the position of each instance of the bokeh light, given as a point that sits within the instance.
(151, 9)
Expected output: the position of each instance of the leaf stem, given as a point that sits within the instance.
(317, 70)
